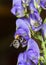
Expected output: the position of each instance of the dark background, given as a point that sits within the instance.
(8, 55)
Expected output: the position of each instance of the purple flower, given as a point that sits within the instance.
(23, 59)
(22, 33)
(35, 21)
(43, 4)
(40, 3)
(44, 31)
(33, 51)
(31, 55)
(17, 9)
(24, 24)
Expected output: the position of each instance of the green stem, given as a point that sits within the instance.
(44, 50)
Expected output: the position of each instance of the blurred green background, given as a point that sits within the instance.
(8, 55)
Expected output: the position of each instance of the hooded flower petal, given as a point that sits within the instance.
(21, 32)
(22, 57)
(22, 23)
(43, 4)
(44, 30)
(33, 51)
(36, 16)
(35, 21)
(17, 9)
(23, 60)
(16, 2)
(13, 10)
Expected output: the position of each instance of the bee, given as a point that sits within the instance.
(18, 40)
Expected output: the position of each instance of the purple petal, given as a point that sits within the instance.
(36, 16)
(18, 11)
(22, 33)
(17, 8)
(33, 51)
(21, 23)
(23, 60)
(32, 8)
(13, 10)
(22, 57)
(43, 4)
(16, 2)
(35, 21)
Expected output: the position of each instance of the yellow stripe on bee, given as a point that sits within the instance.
(17, 37)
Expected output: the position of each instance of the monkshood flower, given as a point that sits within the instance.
(40, 3)
(24, 24)
(35, 21)
(43, 4)
(17, 9)
(44, 31)
(22, 33)
(31, 55)
(23, 59)
(33, 51)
